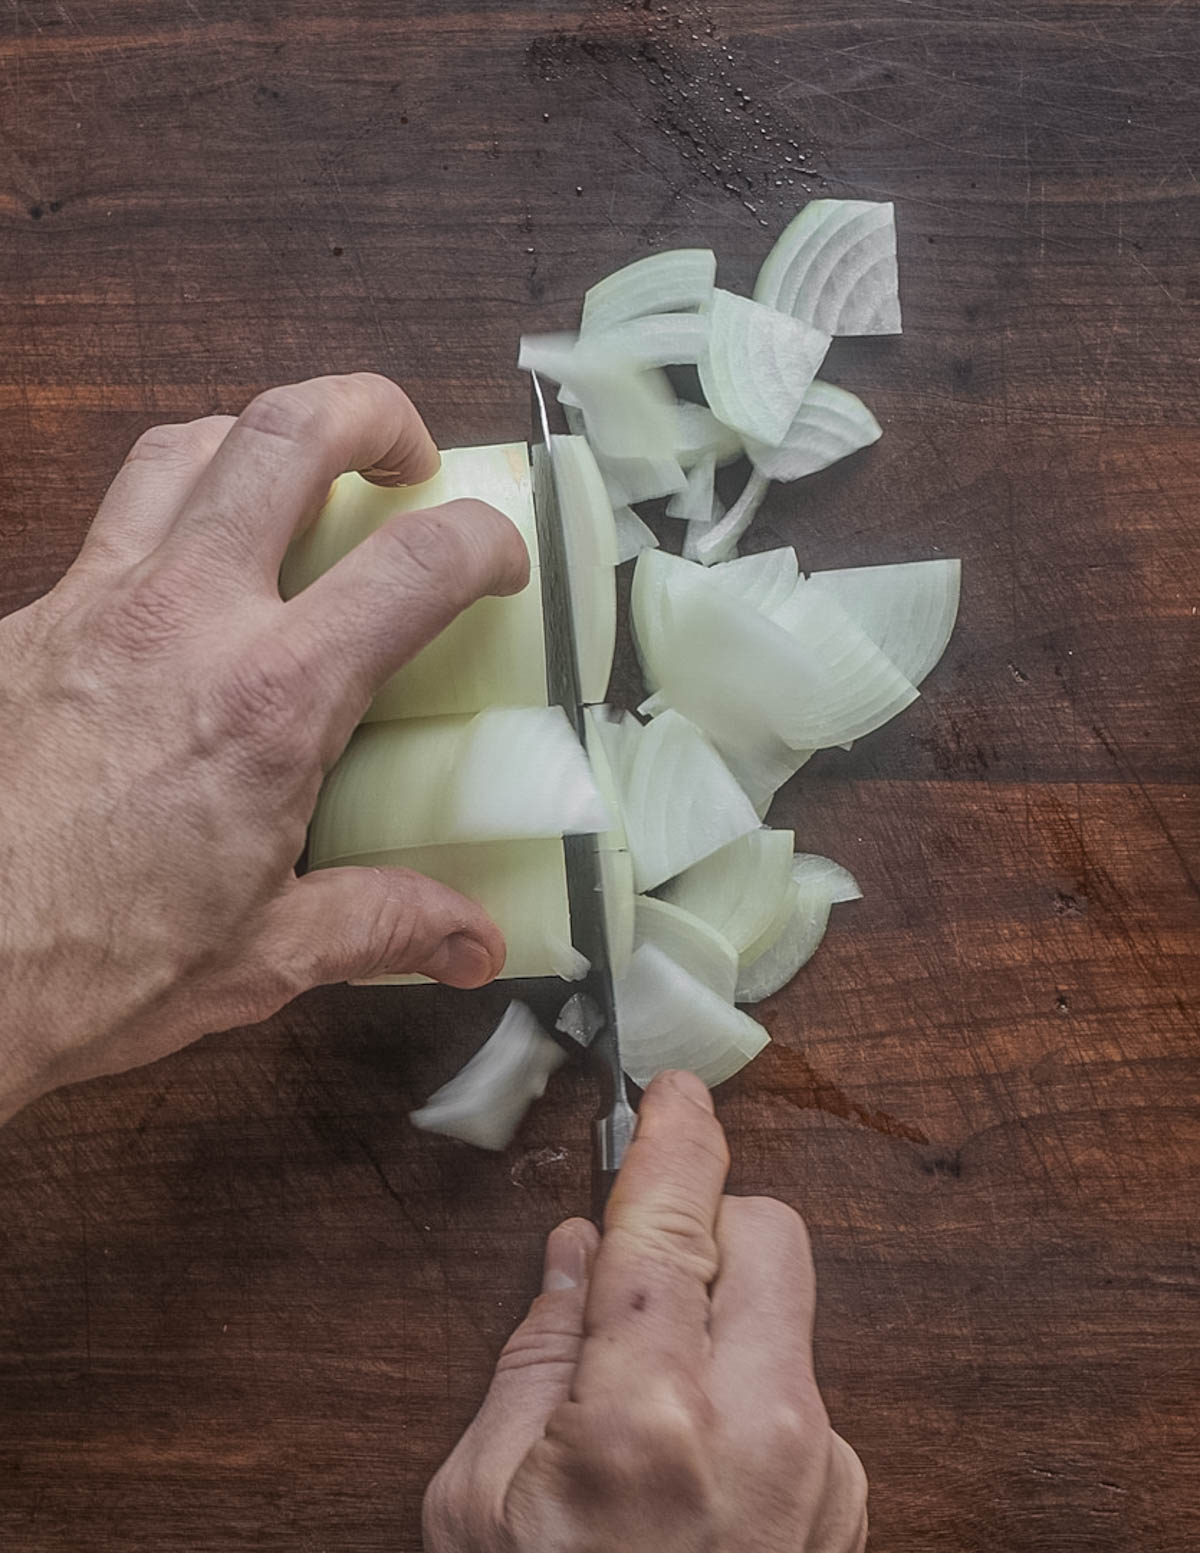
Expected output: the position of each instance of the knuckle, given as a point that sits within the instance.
(545, 1341)
(674, 1236)
(148, 615)
(287, 414)
(430, 548)
(264, 701)
(179, 442)
(392, 931)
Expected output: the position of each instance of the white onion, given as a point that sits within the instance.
(632, 480)
(485, 1101)
(718, 540)
(835, 267)
(590, 538)
(763, 581)
(694, 504)
(628, 413)
(908, 610)
(673, 281)
(668, 1019)
(695, 947)
(699, 433)
(740, 890)
(843, 886)
(757, 365)
(616, 884)
(508, 774)
(830, 425)
(633, 536)
(657, 340)
(796, 940)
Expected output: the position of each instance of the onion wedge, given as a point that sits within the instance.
(718, 541)
(668, 1019)
(740, 890)
(700, 435)
(694, 504)
(485, 1102)
(907, 610)
(829, 425)
(678, 280)
(695, 947)
(792, 940)
(835, 267)
(843, 886)
(757, 365)
(763, 581)
(633, 536)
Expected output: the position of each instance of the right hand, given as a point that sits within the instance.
(660, 1393)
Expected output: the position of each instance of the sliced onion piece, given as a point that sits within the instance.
(740, 676)
(674, 281)
(758, 365)
(657, 340)
(694, 504)
(843, 886)
(908, 610)
(830, 425)
(580, 1019)
(668, 1019)
(633, 536)
(493, 654)
(678, 799)
(719, 540)
(835, 267)
(632, 480)
(740, 890)
(485, 1102)
(591, 545)
(522, 885)
(508, 774)
(629, 413)
(771, 966)
(603, 734)
(763, 581)
(616, 882)
(700, 434)
(695, 947)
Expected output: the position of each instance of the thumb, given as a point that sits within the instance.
(350, 924)
(534, 1372)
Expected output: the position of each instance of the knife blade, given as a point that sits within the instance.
(613, 1127)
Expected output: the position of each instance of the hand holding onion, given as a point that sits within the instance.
(166, 720)
(660, 1394)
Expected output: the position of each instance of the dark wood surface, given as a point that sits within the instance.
(242, 1304)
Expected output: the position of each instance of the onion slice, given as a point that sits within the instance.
(700, 434)
(657, 340)
(740, 890)
(668, 1019)
(633, 536)
(509, 774)
(591, 544)
(763, 581)
(485, 1102)
(907, 610)
(695, 947)
(632, 480)
(718, 541)
(757, 365)
(678, 280)
(817, 883)
(629, 413)
(694, 504)
(829, 425)
(843, 886)
(835, 267)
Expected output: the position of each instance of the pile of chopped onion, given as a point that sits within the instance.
(751, 665)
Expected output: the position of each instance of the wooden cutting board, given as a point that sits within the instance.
(242, 1304)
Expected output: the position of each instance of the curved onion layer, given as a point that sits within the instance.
(509, 774)
(829, 425)
(485, 1101)
(591, 545)
(629, 413)
(908, 610)
(700, 434)
(633, 536)
(718, 541)
(695, 947)
(657, 340)
(694, 504)
(668, 1019)
(522, 885)
(740, 676)
(616, 865)
(675, 281)
(740, 890)
(632, 480)
(616, 883)
(580, 1019)
(835, 267)
(678, 800)
(761, 581)
(493, 654)
(757, 365)
(799, 935)
(843, 886)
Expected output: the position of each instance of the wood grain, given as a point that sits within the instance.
(242, 1305)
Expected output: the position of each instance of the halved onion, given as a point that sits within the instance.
(694, 504)
(493, 654)
(591, 545)
(485, 1101)
(907, 610)
(695, 947)
(757, 365)
(668, 1019)
(740, 890)
(718, 540)
(522, 885)
(508, 774)
(829, 425)
(674, 281)
(633, 536)
(835, 267)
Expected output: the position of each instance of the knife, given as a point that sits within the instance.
(613, 1128)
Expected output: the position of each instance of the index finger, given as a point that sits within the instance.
(648, 1302)
(275, 466)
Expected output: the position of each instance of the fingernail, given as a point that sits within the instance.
(691, 1088)
(460, 961)
(566, 1262)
